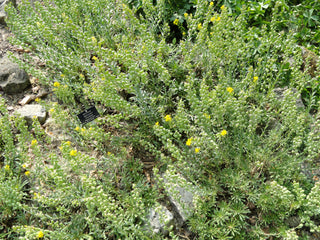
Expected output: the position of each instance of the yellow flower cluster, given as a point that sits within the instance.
(230, 89)
(189, 141)
(7, 167)
(223, 132)
(56, 84)
(40, 234)
(34, 142)
(176, 21)
(73, 152)
(36, 195)
(215, 19)
(168, 118)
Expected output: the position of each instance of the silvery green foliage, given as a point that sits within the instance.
(203, 109)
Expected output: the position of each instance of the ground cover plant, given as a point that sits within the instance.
(205, 90)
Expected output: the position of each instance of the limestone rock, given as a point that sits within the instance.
(159, 219)
(181, 195)
(12, 78)
(31, 110)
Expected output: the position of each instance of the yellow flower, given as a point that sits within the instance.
(199, 26)
(157, 124)
(207, 116)
(81, 75)
(27, 173)
(223, 132)
(34, 142)
(37, 99)
(83, 130)
(62, 75)
(77, 129)
(73, 152)
(24, 166)
(183, 33)
(168, 118)
(230, 89)
(40, 234)
(196, 150)
(35, 195)
(68, 143)
(189, 141)
(56, 84)
(255, 79)
(213, 19)
(7, 167)
(185, 15)
(176, 21)
(94, 58)
(222, 7)
(108, 153)
(51, 110)
(218, 19)
(211, 4)
(93, 39)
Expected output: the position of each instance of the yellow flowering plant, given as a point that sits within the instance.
(181, 69)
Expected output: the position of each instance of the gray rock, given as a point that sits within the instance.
(159, 219)
(31, 110)
(279, 92)
(2, 16)
(2, 12)
(181, 195)
(12, 78)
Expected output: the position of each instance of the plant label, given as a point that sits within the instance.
(88, 115)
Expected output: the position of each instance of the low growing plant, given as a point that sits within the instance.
(220, 107)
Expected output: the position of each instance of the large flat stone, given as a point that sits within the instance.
(31, 110)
